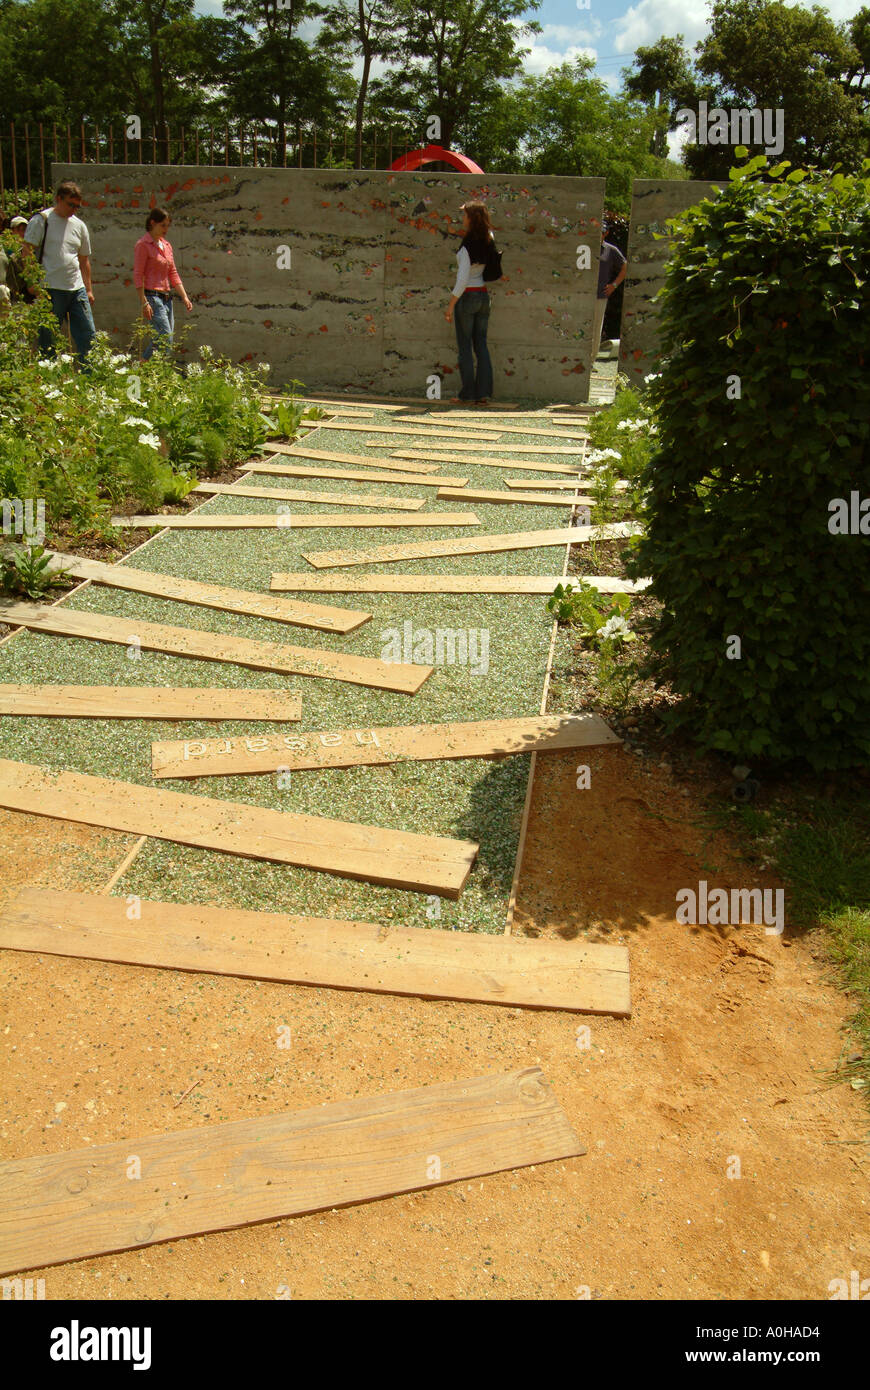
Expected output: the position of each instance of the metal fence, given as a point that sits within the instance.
(27, 151)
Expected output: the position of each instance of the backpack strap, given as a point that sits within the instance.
(41, 252)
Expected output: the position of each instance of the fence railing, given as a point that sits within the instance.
(27, 151)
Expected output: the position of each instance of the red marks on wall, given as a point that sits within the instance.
(323, 328)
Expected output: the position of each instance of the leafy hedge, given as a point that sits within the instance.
(766, 283)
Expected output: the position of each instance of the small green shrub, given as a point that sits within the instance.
(25, 573)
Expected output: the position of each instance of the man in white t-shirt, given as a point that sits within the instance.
(60, 241)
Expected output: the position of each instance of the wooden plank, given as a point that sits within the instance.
(419, 863)
(569, 484)
(58, 1207)
(294, 521)
(298, 470)
(480, 545)
(296, 451)
(398, 403)
(531, 429)
(463, 452)
(446, 431)
(446, 583)
(534, 499)
(147, 702)
(212, 646)
(193, 591)
(365, 746)
(334, 499)
(578, 976)
(570, 469)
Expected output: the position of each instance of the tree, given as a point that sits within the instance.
(371, 29)
(455, 53)
(766, 54)
(47, 68)
(662, 77)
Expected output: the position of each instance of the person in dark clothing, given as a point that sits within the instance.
(469, 305)
(612, 267)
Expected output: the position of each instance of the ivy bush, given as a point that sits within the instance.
(763, 410)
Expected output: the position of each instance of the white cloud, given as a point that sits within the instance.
(542, 57)
(571, 33)
(647, 22)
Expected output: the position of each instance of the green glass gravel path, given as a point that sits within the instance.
(471, 799)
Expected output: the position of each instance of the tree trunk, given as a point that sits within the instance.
(361, 101)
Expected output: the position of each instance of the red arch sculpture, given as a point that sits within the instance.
(435, 154)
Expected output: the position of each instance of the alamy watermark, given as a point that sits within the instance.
(446, 646)
(736, 126)
(717, 907)
(849, 518)
(24, 517)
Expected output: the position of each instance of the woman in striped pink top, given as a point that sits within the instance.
(155, 277)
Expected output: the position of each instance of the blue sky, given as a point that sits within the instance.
(611, 30)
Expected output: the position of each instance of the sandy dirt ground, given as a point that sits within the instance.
(720, 1070)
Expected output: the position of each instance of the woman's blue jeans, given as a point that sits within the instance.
(471, 317)
(162, 322)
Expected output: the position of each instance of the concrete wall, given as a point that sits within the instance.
(653, 201)
(373, 258)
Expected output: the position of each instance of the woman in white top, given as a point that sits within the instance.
(469, 305)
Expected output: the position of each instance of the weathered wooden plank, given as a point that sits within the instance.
(201, 595)
(533, 499)
(420, 863)
(568, 484)
(148, 702)
(58, 1207)
(297, 451)
(578, 976)
(291, 470)
(365, 746)
(531, 429)
(294, 521)
(571, 469)
(446, 583)
(211, 646)
(446, 432)
(480, 545)
(334, 499)
(463, 452)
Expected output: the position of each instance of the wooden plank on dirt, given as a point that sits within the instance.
(295, 470)
(578, 976)
(294, 521)
(201, 595)
(375, 747)
(296, 451)
(446, 583)
(334, 499)
(399, 403)
(568, 484)
(400, 858)
(212, 646)
(534, 499)
(446, 431)
(148, 702)
(480, 545)
(65, 1206)
(569, 469)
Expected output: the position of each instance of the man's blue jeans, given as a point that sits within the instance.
(81, 321)
(162, 322)
(471, 317)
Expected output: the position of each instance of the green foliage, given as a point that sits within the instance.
(765, 289)
(123, 435)
(25, 573)
(593, 612)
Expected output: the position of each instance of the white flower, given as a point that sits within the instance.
(52, 395)
(615, 627)
(66, 357)
(47, 362)
(194, 369)
(653, 376)
(134, 421)
(121, 371)
(601, 456)
(150, 439)
(264, 367)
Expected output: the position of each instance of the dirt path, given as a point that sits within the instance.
(722, 1059)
